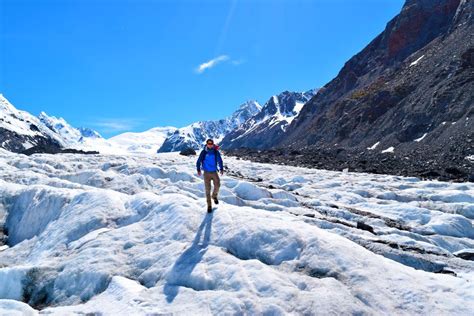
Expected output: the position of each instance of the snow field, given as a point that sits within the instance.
(130, 235)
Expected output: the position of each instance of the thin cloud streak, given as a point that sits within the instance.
(114, 125)
(238, 62)
(215, 61)
(211, 63)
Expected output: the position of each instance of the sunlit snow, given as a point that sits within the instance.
(421, 138)
(373, 146)
(129, 235)
(388, 150)
(417, 60)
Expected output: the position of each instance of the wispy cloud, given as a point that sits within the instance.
(215, 61)
(211, 63)
(115, 125)
(238, 62)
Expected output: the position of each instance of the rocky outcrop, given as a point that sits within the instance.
(188, 152)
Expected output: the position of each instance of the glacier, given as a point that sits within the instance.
(122, 235)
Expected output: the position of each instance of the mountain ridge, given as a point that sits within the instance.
(402, 105)
(195, 134)
(263, 128)
(386, 76)
(55, 133)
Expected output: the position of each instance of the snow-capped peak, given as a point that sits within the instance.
(147, 142)
(24, 130)
(195, 134)
(5, 105)
(89, 133)
(61, 127)
(250, 105)
(285, 105)
(72, 137)
(23, 123)
(274, 117)
(244, 112)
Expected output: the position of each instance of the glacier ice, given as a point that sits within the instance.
(123, 235)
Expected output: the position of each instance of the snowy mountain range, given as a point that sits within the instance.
(146, 142)
(194, 135)
(70, 136)
(261, 129)
(19, 130)
(45, 133)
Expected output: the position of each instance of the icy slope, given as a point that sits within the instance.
(147, 142)
(129, 235)
(71, 136)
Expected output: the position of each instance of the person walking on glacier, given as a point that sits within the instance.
(211, 162)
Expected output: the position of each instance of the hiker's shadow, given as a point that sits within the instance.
(184, 266)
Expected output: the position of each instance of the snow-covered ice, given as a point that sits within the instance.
(388, 150)
(417, 60)
(419, 139)
(123, 235)
(373, 146)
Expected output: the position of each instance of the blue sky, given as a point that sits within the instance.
(132, 65)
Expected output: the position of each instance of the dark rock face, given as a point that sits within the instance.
(466, 254)
(16, 142)
(413, 77)
(41, 144)
(411, 88)
(54, 150)
(188, 152)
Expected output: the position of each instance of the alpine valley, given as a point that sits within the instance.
(352, 199)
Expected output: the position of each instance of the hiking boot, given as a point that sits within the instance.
(209, 209)
(216, 200)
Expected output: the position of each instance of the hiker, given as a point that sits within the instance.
(211, 161)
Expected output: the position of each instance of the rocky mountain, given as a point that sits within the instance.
(194, 135)
(21, 131)
(146, 142)
(24, 132)
(403, 105)
(270, 123)
(411, 88)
